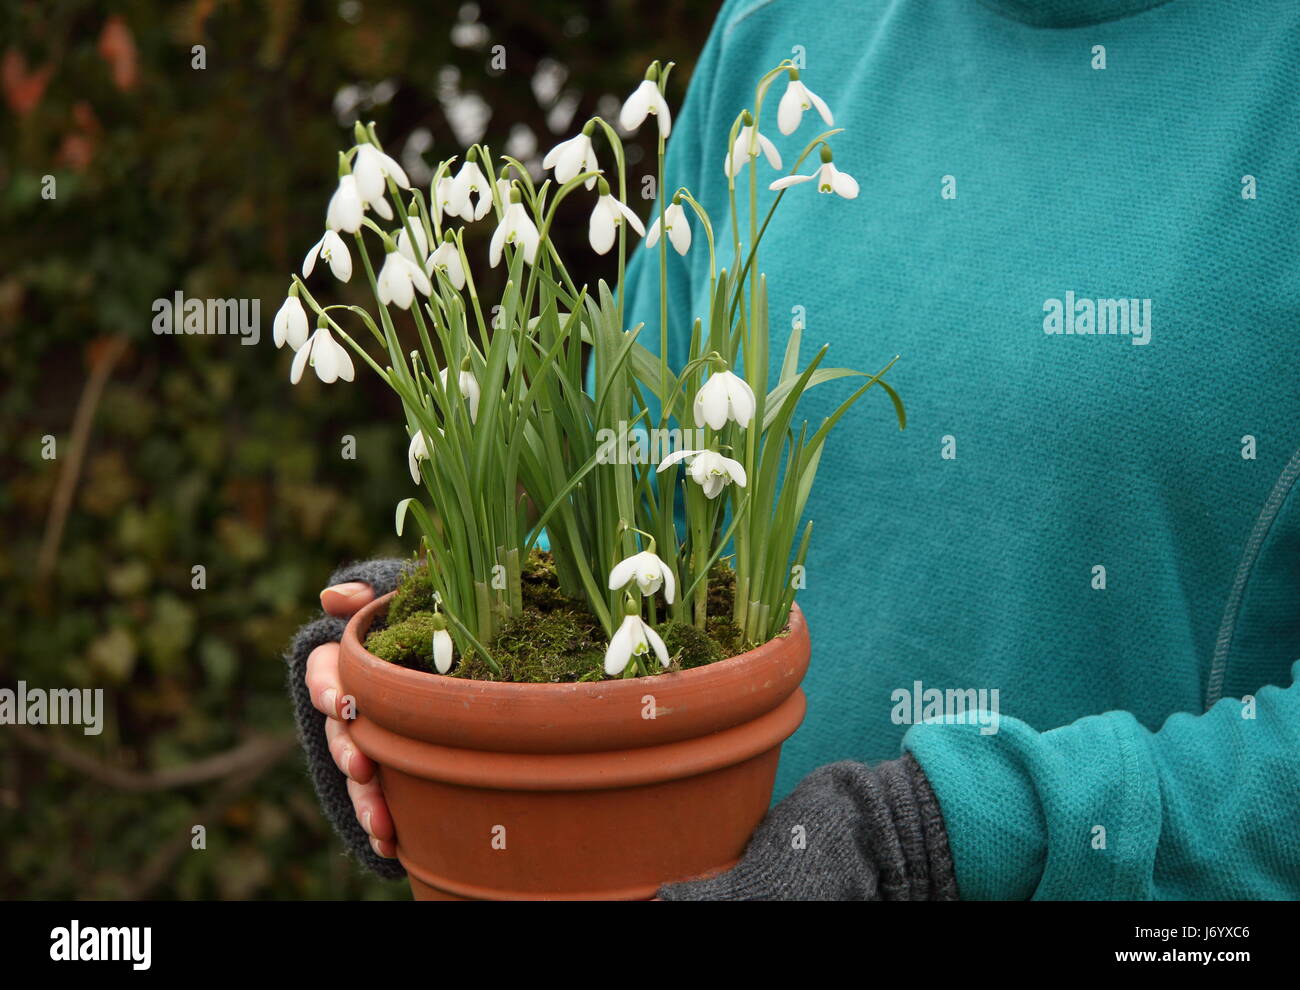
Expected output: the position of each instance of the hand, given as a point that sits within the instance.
(322, 677)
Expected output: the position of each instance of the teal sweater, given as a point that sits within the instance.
(1115, 546)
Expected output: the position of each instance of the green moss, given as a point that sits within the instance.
(554, 639)
(408, 643)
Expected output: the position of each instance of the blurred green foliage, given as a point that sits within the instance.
(194, 450)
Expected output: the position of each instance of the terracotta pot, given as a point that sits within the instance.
(524, 791)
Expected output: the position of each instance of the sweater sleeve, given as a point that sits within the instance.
(1204, 808)
(848, 832)
(330, 782)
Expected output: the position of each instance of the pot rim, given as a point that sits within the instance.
(574, 716)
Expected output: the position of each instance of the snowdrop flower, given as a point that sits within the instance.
(330, 359)
(442, 644)
(646, 99)
(334, 251)
(290, 323)
(724, 396)
(633, 638)
(829, 179)
(573, 157)
(516, 228)
(420, 253)
(469, 388)
(742, 153)
(708, 469)
(442, 194)
(470, 182)
(679, 230)
(447, 257)
(797, 99)
(345, 207)
(399, 278)
(370, 167)
(648, 571)
(417, 449)
(606, 217)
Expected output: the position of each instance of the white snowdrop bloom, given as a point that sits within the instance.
(370, 168)
(724, 396)
(633, 638)
(398, 280)
(742, 153)
(330, 359)
(679, 229)
(420, 253)
(571, 158)
(334, 251)
(646, 99)
(516, 228)
(469, 388)
(797, 99)
(417, 449)
(443, 647)
(442, 194)
(345, 207)
(447, 257)
(290, 323)
(470, 196)
(648, 571)
(708, 469)
(829, 180)
(605, 218)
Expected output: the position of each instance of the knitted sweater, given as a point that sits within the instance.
(1094, 535)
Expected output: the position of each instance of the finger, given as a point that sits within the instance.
(372, 810)
(343, 600)
(386, 849)
(350, 760)
(322, 678)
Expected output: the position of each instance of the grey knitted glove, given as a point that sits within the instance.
(848, 832)
(331, 784)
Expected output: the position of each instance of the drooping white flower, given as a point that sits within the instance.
(469, 388)
(605, 218)
(417, 449)
(646, 99)
(797, 99)
(724, 396)
(399, 278)
(330, 359)
(633, 638)
(447, 257)
(741, 152)
(334, 251)
(290, 323)
(648, 571)
(420, 253)
(443, 647)
(829, 180)
(571, 158)
(442, 194)
(516, 228)
(471, 198)
(679, 230)
(370, 167)
(708, 469)
(345, 207)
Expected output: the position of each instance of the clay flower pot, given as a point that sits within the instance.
(600, 790)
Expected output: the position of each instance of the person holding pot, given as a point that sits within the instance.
(1056, 621)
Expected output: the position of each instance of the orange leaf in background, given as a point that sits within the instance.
(23, 90)
(79, 145)
(117, 48)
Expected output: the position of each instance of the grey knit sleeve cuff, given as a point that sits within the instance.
(331, 784)
(848, 832)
